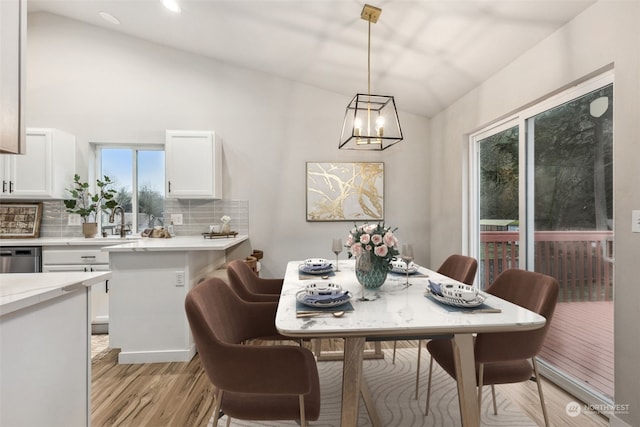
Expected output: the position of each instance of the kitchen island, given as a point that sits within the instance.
(151, 278)
(46, 348)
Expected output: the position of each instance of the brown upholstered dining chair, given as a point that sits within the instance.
(507, 357)
(459, 267)
(251, 382)
(251, 287)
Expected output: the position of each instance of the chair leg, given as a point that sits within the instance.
(303, 421)
(216, 409)
(539, 383)
(493, 396)
(426, 409)
(418, 369)
(393, 359)
(480, 384)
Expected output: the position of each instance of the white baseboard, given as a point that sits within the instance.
(614, 421)
(136, 357)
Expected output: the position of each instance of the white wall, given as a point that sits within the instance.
(605, 33)
(105, 87)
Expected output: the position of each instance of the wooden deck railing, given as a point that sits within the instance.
(576, 258)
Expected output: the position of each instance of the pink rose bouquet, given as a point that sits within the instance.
(376, 239)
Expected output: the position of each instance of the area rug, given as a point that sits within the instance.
(392, 387)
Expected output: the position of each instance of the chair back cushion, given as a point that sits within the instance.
(211, 309)
(240, 278)
(533, 291)
(459, 267)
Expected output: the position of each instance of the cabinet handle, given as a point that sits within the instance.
(88, 256)
(10, 186)
(169, 186)
(4, 186)
(106, 286)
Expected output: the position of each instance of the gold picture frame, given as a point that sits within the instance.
(341, 191)
(20, 220)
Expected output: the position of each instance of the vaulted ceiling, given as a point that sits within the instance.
(425, 53)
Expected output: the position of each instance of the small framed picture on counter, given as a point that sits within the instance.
(20, 220)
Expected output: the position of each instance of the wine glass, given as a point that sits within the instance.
(407, 256)
(337, 248)
(363, 267)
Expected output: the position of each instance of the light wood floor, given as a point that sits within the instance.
(179, 394)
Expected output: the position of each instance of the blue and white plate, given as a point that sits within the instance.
(455, 294)
(400, 267)
(334, 297)
(316, 266)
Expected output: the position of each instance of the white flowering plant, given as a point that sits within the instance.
(225, 219)
(376, 239)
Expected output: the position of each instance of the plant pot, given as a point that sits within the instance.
(90, 229)
(226, 228)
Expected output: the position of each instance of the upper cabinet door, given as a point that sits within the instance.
(13, 29)
(193, 165)
(44, 171)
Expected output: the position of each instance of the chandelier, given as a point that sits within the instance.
(370, 121)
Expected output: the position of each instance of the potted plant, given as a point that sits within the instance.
(89, 205)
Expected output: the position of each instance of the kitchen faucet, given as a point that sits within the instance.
(112, 218)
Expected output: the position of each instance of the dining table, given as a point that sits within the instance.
(395, 311)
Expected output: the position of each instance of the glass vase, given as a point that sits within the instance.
(370, 274)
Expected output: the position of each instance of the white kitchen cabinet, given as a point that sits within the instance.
(45, 349)
(13, 30)
(83, 259)
(44, 171)
(193, 165)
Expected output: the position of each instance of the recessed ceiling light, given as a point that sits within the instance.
(110, 18)
(172, 5)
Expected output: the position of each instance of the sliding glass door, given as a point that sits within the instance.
(542, 189)
(498, 200)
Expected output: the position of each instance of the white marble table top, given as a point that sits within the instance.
(394, 310)
(21, 290)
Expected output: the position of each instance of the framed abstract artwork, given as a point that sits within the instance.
(345, 191)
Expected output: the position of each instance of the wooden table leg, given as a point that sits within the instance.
(466, 376)
(351, 377)
(370, 403)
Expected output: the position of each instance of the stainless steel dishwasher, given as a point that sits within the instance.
(20, 259)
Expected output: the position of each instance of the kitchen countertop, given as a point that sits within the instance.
(22, 290)
(133, 243)
(68, 241)
(180, 243)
